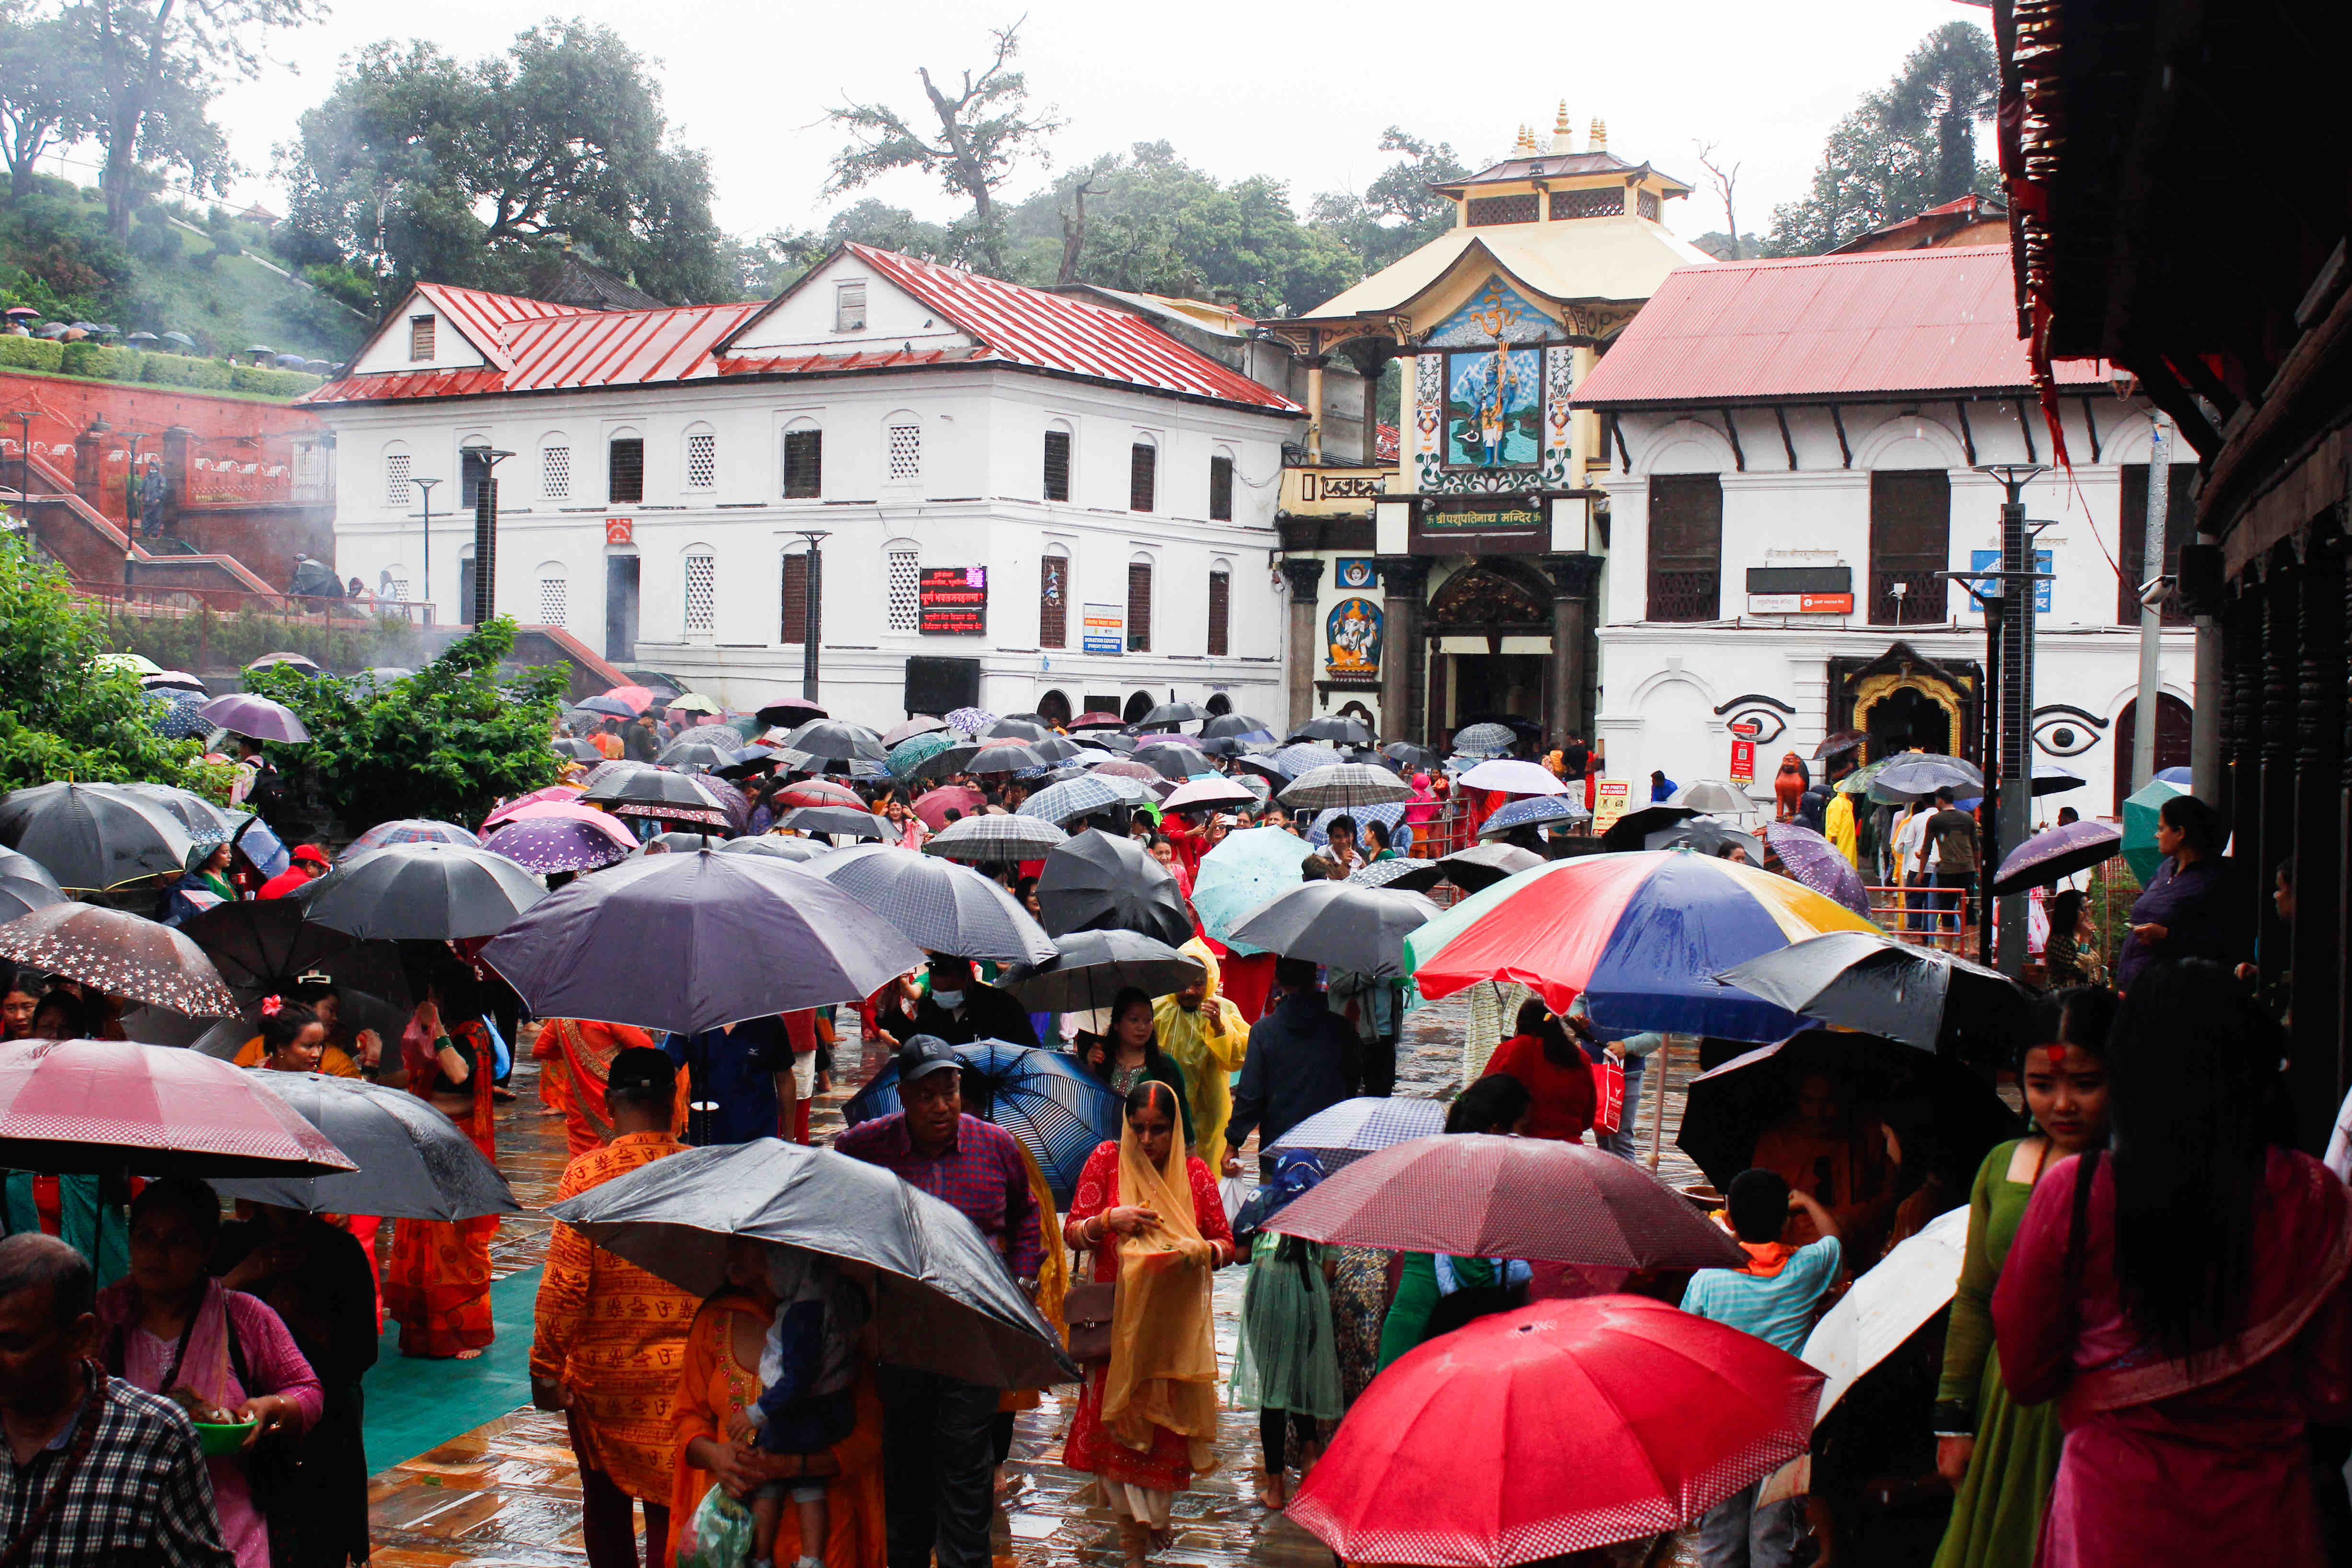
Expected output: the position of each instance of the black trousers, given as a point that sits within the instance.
(1271, 1424)
(939, 1459)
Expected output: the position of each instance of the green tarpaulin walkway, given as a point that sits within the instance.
(415, 1405)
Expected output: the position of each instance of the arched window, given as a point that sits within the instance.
(554, 594)
(701, 585)
(1054, 598)
(1139, 604)
(1059, 440)
(399, 465)
(1143, 475)
(1139, 705)
(1221, 484)
(1053, 707)
(1218, 704)
(701, 457)
(624, 467)
(803, 461)
(555, 467)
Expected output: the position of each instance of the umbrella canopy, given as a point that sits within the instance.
(1006, 838)
(258, 946)
(1708, 837)
(1905, 992)
(941, 761)
(1318, 831)
(1807, 857)
(555, 800)
(1345, 1133)
(1513, 777)
(843, 822)
(644, 786)
(1172, 761)
(551, 844)
(912, 752)
(916, 724)
(1633, 830)
(577, 751)
(635, 698)
(1477, 1195)
(1231, 725)
(633, 944)
(698, 754)
(1384, 873)
(207, 824)
(1089, 967)
(695, 702)
(91, 837)
(1017, 727)
(1242, 873)
(2058, 851)
(1168, 716)
(2143, 813)
(946, 1303)
(775, 846)
(1473, 869)
(1411, 757)
(1335, 728)
(1946, 1115)
(2049, 779)
(1485, 739)
(1073, 797)
(938, 905)
(1840, 743)
(1010, 757)
(1128, 768)
(1299, 760)
(1345, 786)
(787, 712)
(173, 680)
(292, 661)
(177, 714)
(1097, 718)
(1206, 794)
(1340, 923)
(98, 1104)
(1712, 795)
(411, 831)
(679, 843)
(119, 955)
(607, 707)
(1098, 883)
(1060, 1111)
(413, 1162)
(969, 720)
(1535, 812)
(1887, 1305)
(25, 885)
(934, 805)
(837, 740)
(180, 338)
(1923, 773)
(256, 718)
(1563, 1426)
(137, 664)
(819, 792)
(422, 893)
(1640, 937)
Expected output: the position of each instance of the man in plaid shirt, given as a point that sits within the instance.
(940, 1435)
(97, 1471)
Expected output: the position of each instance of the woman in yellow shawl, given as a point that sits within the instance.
(1208, 1037)
(1146, 1421)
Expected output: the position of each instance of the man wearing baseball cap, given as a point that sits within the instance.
(937, 1451)
(308, 861)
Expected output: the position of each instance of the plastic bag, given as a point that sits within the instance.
(1234, 1192)
(718, 1535)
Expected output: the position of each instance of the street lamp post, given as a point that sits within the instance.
(2151, 604)
(486, 530)
(25, 456)
(813, 621)
(426, 486)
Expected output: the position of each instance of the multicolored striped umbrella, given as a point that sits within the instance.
(1639, 936)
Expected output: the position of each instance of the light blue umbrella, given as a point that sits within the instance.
(1243, 872)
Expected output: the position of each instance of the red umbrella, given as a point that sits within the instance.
(1478, 1195)
(637, 698)
(934, 808)
(565, 794)
(1563, 1426)
(820, 792)
(93, 1104)
(1096, 718)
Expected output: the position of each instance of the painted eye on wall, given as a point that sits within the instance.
(2065, 732)
(1770, 725)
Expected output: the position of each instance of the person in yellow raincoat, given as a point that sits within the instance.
(1837, 826)
(1208, 1037)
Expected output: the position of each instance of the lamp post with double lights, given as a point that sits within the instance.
(486, 530)
(812, 620)
(426, 486)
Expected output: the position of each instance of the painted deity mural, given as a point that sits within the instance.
(1351, 635)
(1492, 413)
(1490, 399)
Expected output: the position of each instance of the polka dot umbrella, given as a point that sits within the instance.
(122, 956)
(177, 715)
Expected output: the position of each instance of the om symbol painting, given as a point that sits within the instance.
(1494, 408)
(1351, 635)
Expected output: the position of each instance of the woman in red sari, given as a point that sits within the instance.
(436, 1281)
(1147, 1420)
(2202, 1321)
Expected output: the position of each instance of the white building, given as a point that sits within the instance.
(1790, 442)
(1027, 501)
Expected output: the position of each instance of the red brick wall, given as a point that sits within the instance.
(64, 407)
(265, 538)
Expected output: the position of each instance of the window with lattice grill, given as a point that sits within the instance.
(1646, 205)
(1139, 607)
(624, 470)
(702, 592)
(1685, 547)
(904, 598)
(1221, 490)
(792, 617)
(1602, 203)
(702, 460)
(1486, 210)
(906, 452)
(554, 600)
(1220, 598)
(400, 589)
(1910, 542)
(1054, 603)
(803, 465)
(1057, 465)
(395, 478)
(1142, 476)
(555, 473)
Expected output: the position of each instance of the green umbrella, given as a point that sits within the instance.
(2140, 810)
(912, 752)
(1855, 782)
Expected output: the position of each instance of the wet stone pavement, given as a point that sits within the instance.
(507, 1492)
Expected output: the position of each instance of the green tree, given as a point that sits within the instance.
(1909, 146)
(1398, 213)
(63, 716)
(448, 742)
(985, 127)
(775, 260)
(48, 89)
(421, 166)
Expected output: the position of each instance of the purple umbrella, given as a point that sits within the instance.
(2055, 852)
(257, 718)
(562, 843)
(634, 945)
(1807, 857)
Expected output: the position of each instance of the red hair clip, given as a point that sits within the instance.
(270, 1006)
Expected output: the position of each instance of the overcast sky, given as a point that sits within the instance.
(1240, 87)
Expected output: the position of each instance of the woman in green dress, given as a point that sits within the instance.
(1287, 1366)
(2000, 1455)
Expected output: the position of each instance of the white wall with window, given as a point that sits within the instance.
(701, 457)
(698, 591)
(555, 467)
(554, 603)
(399, 469)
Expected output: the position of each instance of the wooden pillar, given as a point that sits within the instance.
(1403, 579)
(1573, 579)
(1315, 409)
(1306, 575)
(2317, 1069)
(2282, 678)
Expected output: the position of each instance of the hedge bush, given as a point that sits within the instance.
(276, 383)
(100, 362)
(31, 353)
(165, 370)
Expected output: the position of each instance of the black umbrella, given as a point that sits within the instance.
(1172, 714)
(207, 824)
(836, 740)
(1112, 740)
(413, 1162)
(1234, 726)
(2057, 852)
(1016, 729)
(1707, 836)
(697, 754)
(607, 707)
(945, 1304)
(774, 846)
(578, 750)
(1335, 728)
(649, 786)
(422, 893)
(1097, 883)
(259, 946)
(936, 904)
(1011, 757)
(1633, 830)
(1172, 761)
(1406, 755)
(1840, 743)
(91, 837)
(680, 843)
(847, 821)
(790, 711)
(1090, 966)
(693, 942)
(1054, 748)
(1920, 996)
(1944, 1114)
(1344, 924)
(25, 885)
(1470, 870)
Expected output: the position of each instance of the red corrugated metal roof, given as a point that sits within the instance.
(1878, 323)
(540, 347)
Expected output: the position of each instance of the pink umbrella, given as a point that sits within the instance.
(565, 793)
(638, 698)
(934, 807)
(571, 810)
(819, 792)
(95, 1105)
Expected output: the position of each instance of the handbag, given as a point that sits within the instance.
(1087, 1308)
(1608, 1094)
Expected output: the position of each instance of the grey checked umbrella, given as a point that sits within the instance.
(91, 837)
(422, 893)
(25, 885)
(413, 1162)
(1484, 741)
(1058, 803)
(1361, 929)
(936, 904)
(1091, 967)
(774, 846)
(1471, 869)
(945, 1303)
(1342, 1133)
(1007, 838)
(1382, 873)
(1345, 785)
(1297, 761)
(1098, 883)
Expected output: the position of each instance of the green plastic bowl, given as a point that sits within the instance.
(222, 1438)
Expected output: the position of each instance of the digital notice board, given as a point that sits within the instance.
(952, 601)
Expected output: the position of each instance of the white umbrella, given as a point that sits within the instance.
(1513, 777)
(1711, 795)
(1218, 791)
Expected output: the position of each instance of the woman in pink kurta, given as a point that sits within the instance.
(2186, 1412)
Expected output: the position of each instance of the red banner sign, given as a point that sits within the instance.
(1743, 761)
